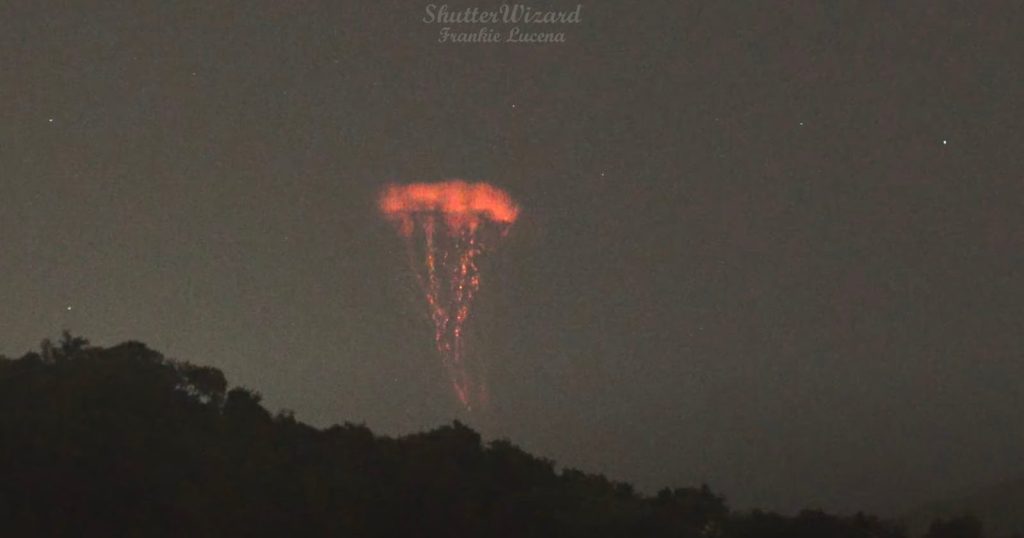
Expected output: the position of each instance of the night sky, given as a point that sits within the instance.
(774, 248)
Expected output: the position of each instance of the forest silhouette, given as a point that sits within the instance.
(121, 441)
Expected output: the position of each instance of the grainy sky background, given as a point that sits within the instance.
(776, 248)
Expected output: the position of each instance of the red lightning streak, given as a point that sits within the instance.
(449, 216)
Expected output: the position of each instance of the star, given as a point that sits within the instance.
(944, 142)
(69, 308)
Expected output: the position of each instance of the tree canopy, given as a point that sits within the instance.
(121, 441)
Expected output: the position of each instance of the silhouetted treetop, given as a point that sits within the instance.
(122, 441)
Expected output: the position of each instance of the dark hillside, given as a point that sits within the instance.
(121, 441)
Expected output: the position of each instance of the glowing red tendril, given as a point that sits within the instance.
(449, 216)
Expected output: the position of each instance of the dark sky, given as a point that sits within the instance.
(773, 248)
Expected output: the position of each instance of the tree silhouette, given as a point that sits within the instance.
(122, 441)
(966, 526)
